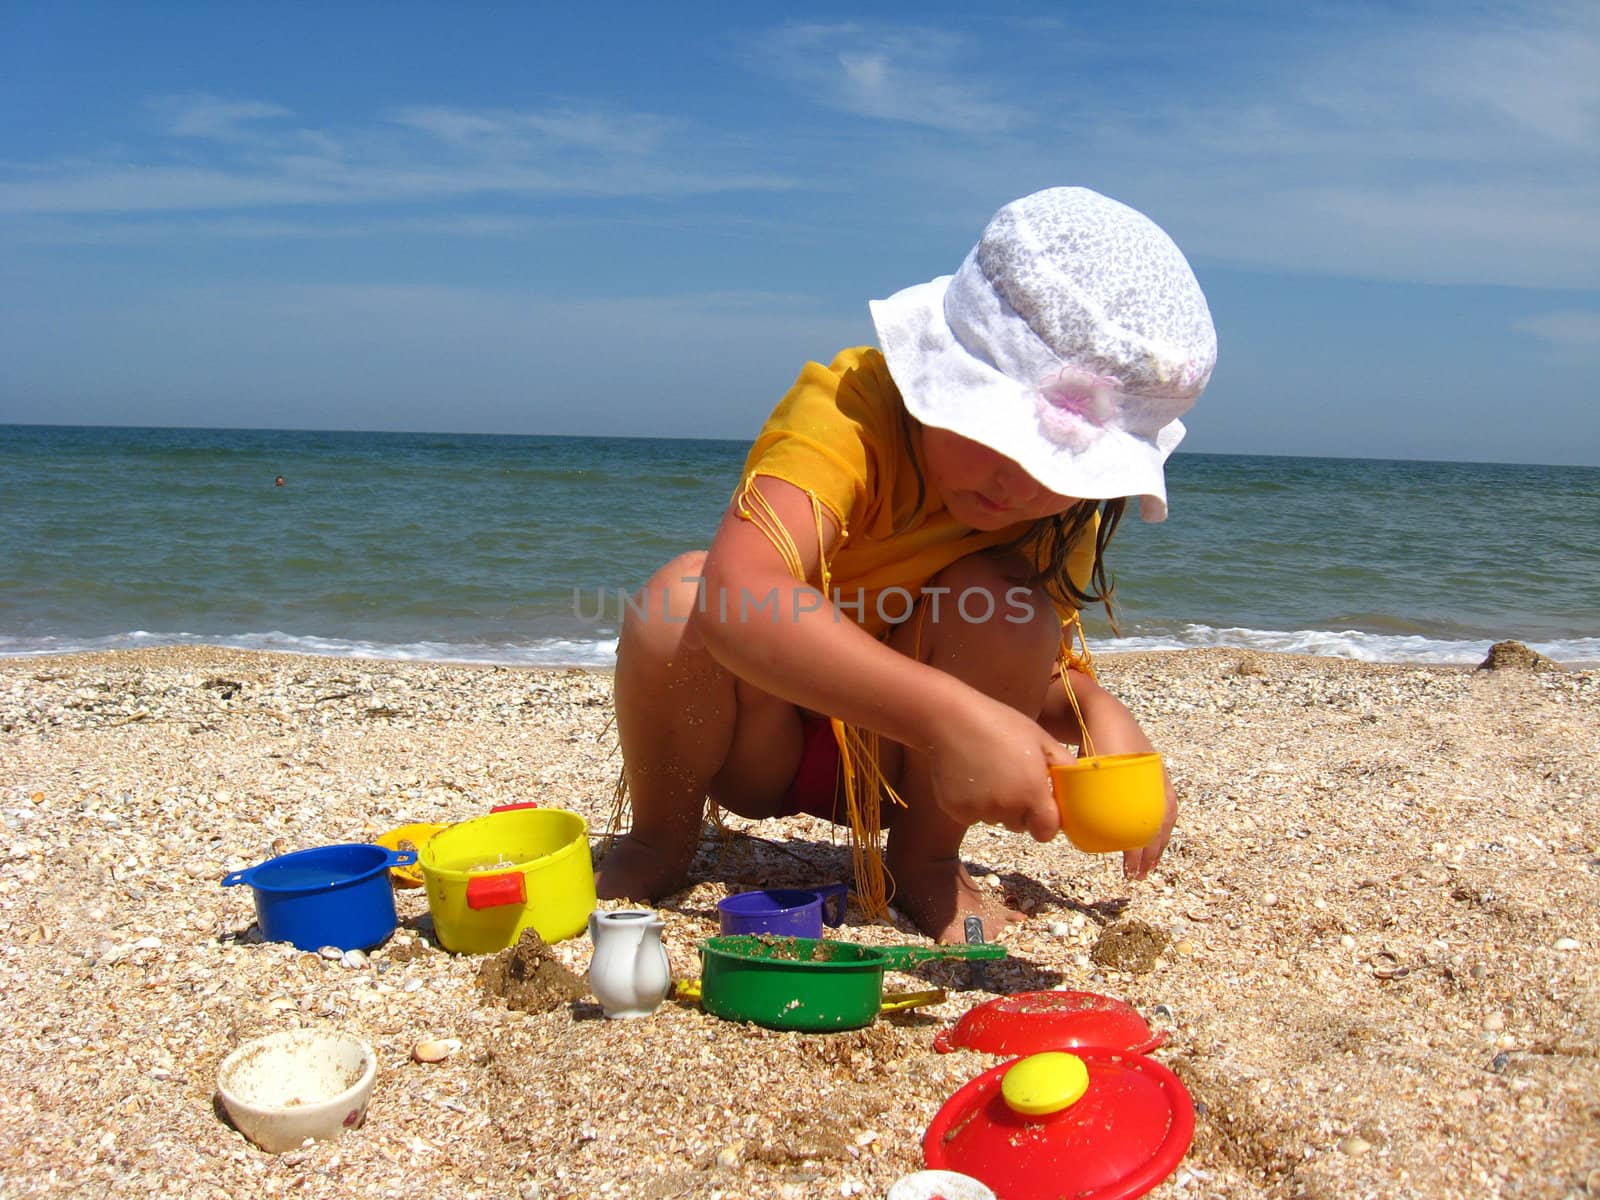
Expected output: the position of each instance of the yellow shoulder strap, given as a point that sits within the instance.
(1075, 657)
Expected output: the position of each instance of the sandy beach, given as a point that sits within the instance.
(1372, 944)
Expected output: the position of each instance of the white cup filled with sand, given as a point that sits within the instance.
(284, 1088)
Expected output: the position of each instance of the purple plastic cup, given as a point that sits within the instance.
(783, 912)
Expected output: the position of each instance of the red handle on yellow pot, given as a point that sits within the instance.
(492, 891)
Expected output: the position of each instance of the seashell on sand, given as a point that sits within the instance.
(432, 1050)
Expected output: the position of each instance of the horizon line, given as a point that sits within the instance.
(736, 441)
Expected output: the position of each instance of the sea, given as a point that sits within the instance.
(522, 550)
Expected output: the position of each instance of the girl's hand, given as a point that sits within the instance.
(992, 764)
(1113, 731)
(1136, 864)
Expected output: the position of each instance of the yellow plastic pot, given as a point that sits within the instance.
(490, 878)
(1110, 802)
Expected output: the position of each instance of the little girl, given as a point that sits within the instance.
(884, 630)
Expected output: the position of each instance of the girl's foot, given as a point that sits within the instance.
(938, 895)
(638, 868)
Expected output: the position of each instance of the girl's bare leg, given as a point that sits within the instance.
(688, 728)
(1007, 660)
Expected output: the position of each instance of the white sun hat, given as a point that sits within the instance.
(1071, 340)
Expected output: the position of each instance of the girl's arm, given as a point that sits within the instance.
(1113, 730)
(988, 761)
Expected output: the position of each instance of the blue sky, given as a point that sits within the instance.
(542, 218)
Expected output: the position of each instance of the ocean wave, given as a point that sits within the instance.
(537, 652)
(602, 652)
(1351, 643)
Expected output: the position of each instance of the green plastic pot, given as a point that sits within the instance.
(808, 983)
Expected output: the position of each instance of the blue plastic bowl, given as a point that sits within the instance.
(327, 896)
(783, 912)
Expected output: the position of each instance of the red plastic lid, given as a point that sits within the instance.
(1030, 1022)
(1127, 1133)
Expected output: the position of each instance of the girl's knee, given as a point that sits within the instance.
(658, 613)
(983, 604)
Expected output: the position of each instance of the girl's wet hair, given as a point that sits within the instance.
(1049, 541)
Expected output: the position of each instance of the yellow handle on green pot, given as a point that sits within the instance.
(689, 990)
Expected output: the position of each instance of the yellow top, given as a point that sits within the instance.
(840, 436)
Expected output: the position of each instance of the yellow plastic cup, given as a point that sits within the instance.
(1110, 802)
(407, 837)
(490, 878)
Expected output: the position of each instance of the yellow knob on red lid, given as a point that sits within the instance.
(1045, 1083)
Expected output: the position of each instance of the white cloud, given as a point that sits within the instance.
(1500, 234)
(311, 182)
(908, 75)
(92, 188)
(503, 132)
(1540, 80)
(1418, 143)
(1426, 145)
(1570, 329)
(48, 232)
(419, 155)
(1447, 87)
(1454, 148)
(205, 116)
